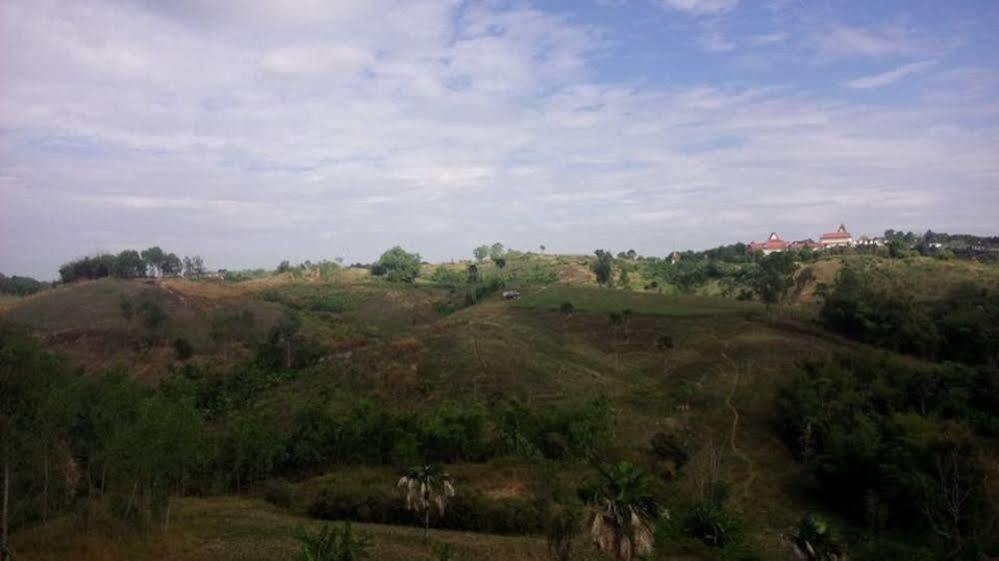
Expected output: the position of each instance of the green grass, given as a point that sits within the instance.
(606, 300)
(244, 529)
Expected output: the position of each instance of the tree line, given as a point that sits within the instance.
(131, 264)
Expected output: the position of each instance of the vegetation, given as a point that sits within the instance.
(425, 487)
(20, 286)
(567, 420)
(397, 265)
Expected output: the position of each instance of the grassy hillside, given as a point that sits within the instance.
(418, 349)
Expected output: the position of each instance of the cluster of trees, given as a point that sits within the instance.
(900, 447)
(130, 264)
(961, 326)
(494, 252)
(20, 286)
(398, 265)
(70, 440)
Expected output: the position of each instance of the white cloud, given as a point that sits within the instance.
(714, 41)
(891, 76)
(844, 40)
(768, 38)
(700, 7)
(205, 129)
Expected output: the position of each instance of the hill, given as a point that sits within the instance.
(375, 376)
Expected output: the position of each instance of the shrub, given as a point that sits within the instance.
(330, 543)
(397, 265)
(182, 348)
(279, 492)
(814, 540)
(712, 524)
(468, 511)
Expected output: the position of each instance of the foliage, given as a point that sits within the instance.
(963, 325)
(871, 427)
(182, 348)
(774, 278)
(602, 267)
(622, 512)
(814, 540)
(20, 286)
(330, 543)
(448, 276)
(712, 523)
(561, 528)
(397, 265)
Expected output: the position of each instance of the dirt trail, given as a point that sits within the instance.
(735, 426)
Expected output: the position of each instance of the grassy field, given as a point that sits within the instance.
(245, 529)
(605, 300)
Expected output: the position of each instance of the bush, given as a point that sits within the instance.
(334, 544)
(468, 511)
(279, 492)
(397, 265)
(712, 524)
(183, 348)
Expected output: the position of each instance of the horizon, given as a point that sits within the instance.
(250, 134)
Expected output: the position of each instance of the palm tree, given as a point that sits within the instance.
(622, 512)
(427, 486)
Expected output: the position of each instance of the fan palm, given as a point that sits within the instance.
(427, 486)
(622, 512)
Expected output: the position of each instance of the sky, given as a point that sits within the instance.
(250, 131)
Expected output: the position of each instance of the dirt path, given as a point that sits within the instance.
(735, 427)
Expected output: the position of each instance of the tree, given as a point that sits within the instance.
(193, 266)
(622, 512)
(481, 252)
(622, 278)
(542, 248)
(473, 274)
(129, 265)
(774, 278)
(603, 266)
(27, 375)
(284, 267)
(427, 486)
(171, 265)
(496, 251)
(398, 265)
(500, 262)
(154, 259)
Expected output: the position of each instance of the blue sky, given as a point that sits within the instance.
(251, 131)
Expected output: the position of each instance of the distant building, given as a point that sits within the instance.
(805, 244)
(867, 241)
(841, 237)
(772, 245)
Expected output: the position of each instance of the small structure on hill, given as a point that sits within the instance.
(772, 245)
(841, 237)
(511, 295)
(805, 244)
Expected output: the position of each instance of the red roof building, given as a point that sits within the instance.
(773, 244)
(805, 244)
(841, 237)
